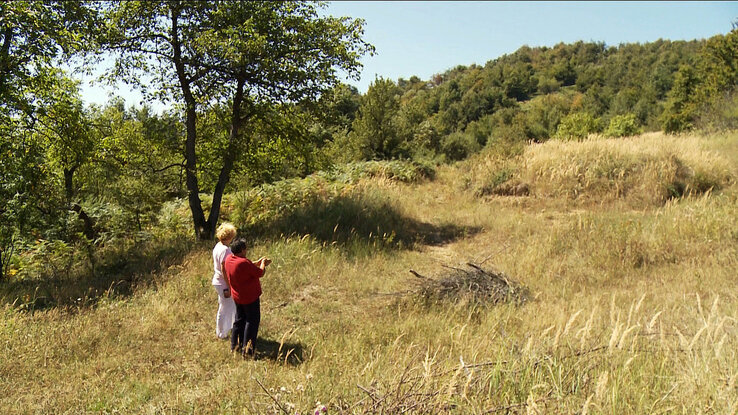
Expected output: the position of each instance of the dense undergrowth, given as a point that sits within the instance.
(629, 307)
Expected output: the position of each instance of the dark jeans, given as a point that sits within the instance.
(246, 327)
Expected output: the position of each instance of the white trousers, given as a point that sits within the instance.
(226, 313)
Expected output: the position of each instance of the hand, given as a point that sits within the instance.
(227, 293)
(267, 261)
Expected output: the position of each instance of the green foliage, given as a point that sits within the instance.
(681, 107)
(458, 146)
(543, 115)
(394, 170)
(248, 56)
(703, 92)
(21, 187)
(720, 114)
(258, 206)
(717, 67)
(622, 126)
(375, 133)
(50, 258)
(33, 35)
(547, 84)
(577, 126)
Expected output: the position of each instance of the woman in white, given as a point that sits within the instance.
(226, 307)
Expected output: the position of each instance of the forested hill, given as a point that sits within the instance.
(536, 93)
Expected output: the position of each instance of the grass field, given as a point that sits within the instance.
(628, 249)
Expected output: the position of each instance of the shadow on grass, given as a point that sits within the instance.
(288, 353)
(358, 225)
(117, 272)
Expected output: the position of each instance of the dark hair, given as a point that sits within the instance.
(238, 246)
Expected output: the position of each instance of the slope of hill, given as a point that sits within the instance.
(627, 248)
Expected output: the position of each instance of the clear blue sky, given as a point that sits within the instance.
(425, 38)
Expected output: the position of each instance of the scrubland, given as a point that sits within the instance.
(628, 249)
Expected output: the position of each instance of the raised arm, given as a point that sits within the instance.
(262, 263)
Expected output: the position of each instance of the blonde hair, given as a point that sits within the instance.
(225, 231)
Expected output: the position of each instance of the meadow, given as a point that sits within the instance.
(627, 249)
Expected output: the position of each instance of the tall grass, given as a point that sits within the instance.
(645, 170)
(629, 312)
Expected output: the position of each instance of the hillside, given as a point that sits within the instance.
(626, 248)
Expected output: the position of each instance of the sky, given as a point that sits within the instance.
(424, 38)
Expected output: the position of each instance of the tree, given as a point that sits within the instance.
(32, 35)
(681, 107)
(718, 67)
(375, 129)
(64, 130)
(253, 55)
(21, 175)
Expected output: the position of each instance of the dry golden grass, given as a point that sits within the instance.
(633, 306)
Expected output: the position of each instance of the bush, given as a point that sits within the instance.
(174, 217)
(623, 126)
(395, 170)
(721, 115)
(265, 203)
(548, 85)
(458, 146)
(577, 126)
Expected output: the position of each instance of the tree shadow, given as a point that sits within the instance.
(369, 222)
(292, 354)
(116, 273)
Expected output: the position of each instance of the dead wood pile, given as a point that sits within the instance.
(475, 285)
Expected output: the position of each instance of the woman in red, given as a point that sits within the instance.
(243, 277)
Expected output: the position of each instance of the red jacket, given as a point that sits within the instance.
(243, 276)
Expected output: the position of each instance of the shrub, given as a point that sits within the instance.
(174, 217)
(395, 170)
(623, 126)
(720, 115)
(259, 205)
(577, 126)
(458, 146)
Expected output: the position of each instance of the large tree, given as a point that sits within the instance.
(34, 35)
(252, 55)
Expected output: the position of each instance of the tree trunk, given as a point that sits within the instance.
(229, 156)
(5, 56)
(89, 225)
(69, 184)
(203, 229)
